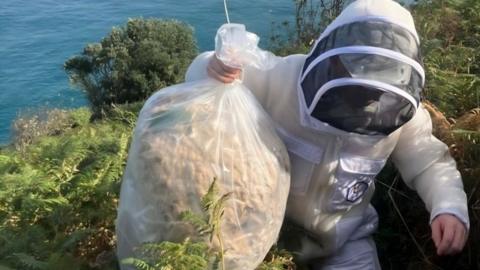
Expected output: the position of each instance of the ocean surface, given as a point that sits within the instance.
(37, 37)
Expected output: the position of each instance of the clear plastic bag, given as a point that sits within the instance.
(186, 136)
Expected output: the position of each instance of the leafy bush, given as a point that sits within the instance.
(133, 61)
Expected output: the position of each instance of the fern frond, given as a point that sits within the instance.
(139, 264)
(470, 135)
(197, 221)
(209, 198)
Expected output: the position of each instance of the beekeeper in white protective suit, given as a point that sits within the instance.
(342, 111)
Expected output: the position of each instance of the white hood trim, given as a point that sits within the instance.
(307, 121)
(367, 50)
(336, 24)
(363, 82)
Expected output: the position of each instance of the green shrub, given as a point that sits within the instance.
(133, 61)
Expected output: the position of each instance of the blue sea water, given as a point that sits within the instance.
(36, 37)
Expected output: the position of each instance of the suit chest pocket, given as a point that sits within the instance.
(354, 176)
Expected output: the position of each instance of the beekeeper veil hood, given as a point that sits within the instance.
(364, 74)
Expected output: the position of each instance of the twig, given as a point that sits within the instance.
(396, 190)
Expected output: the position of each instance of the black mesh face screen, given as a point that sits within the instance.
(362, 66)
(363, 110)
(327, 70)
(369, 33)
(364, 77)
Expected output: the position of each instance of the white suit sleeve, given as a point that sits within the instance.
(426, 166)
(198, 68)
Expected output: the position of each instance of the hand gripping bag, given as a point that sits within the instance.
(187, 135)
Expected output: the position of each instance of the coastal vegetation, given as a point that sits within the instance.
(133, 61)
(60, 177)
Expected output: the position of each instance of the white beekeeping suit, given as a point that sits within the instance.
(342, 111)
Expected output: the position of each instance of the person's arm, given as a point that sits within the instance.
(265, 84)
(426, 166)
(206, 65)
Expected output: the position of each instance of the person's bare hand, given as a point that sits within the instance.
(218, 70)
(449, 234)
